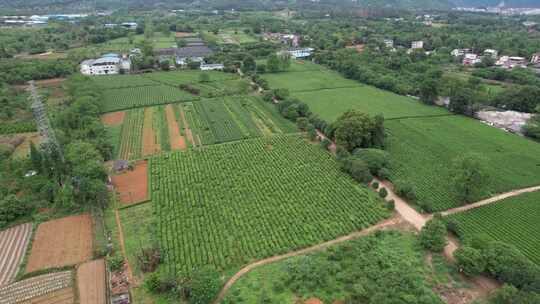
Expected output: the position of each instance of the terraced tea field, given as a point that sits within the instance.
(423, 149)
(228, 204)
(513, 221)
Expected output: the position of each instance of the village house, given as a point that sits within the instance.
(535, 58)
(108, 64)
(211, 66)
(182, 56)
(471, 59)
(389, 43)
(510, 62)
(417, 45)
(297, 53)
(460, 52)
(287, 39)
(491, 53)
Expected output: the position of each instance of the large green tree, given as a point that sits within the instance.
(469, 177)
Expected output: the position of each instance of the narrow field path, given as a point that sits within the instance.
(390, 222)
(123, 247)
(491, 200)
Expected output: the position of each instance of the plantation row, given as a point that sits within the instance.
(423, 151)
(131, 135)
(17, 127)
(513, 221)
(228, 204)
(119, 99)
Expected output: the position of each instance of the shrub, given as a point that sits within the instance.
(433, 235)
(426, 206)
(376, 159)
(383, 173)
(357, 169)
(12, 208)
(406, 191)
(326, 143)
(342, 153)
(469, 260)
(375, 185)
(302, 123)
(391, 205)
(312, 133)
(383, 193)
(116, 262)
(200, 286)
(149, 259)
(152, 282)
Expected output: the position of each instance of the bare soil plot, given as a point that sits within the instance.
(61, 242)
(13, 244)
(150, 145)
(178, 142)
(43, 289)
(183, 34)
(91, 282)
(114, 118)
(132, 186)
(62, 296)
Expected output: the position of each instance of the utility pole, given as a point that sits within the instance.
(50, 144)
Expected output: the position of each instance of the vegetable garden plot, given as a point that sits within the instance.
(13, 244)
(423, 149)
(39, 289)
(219, 120)
(91, 282)
(119, 99)
(228, 204)
(513, 221)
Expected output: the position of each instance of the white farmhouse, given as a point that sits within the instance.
(491, 53)
(108, 64)
(417, 45)
(211, 67)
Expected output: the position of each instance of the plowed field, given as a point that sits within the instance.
(132, 186)
(13, 243)
(91, 282)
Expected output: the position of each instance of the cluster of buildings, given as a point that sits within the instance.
(36, 20)
(471, 58)
(501, 9)
(128, 25)
(195, 50)
(291, 40)
(108, 64)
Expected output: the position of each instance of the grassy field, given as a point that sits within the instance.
(386, 264)
(330, 104)
(226, 205)
(306, 80)
(122, 44)
(423, 149)
(513, 221)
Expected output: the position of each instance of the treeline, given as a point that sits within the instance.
(21, 71)
(67, 177)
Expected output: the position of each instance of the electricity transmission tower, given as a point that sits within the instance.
(49, 143)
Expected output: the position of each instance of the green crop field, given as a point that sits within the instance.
(125, 98)
(308, 80)
(176, 78)
(422, 150)
(513, 221)
(330, 104)
(122, 81)
(228, 204)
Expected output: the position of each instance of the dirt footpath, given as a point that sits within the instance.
(150, 145)
(177, 141)
(187, 130)
(113, 119)
(91, 282)
(61, 242)
(132, 186)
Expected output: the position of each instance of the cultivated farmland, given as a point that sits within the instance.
(62, 242)
(13, 244)
(422, 150)
(91, 282)
(513, 221)
(132, 186)
(308, 80)
(54, 287)
(126, 98)
(228, 204)
(201, 122)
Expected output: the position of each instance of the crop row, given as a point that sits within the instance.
(513, 220)
(228, 204)
(131, 137)
(118, 99)
(17, 127)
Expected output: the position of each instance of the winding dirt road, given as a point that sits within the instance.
(388, 223)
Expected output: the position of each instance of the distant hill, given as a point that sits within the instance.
(508, 3)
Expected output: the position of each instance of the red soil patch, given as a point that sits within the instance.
(53, 82)
(132, 186)
(150, 145)
(61, 242)
(313, 301)
(113, 119)
(91, 282)
(187, 130)
(183, 34)
(178, 142)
